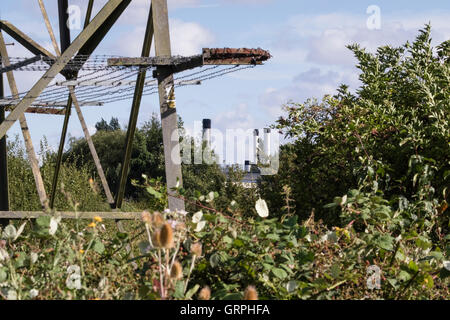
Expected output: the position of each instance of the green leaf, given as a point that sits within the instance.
(154, 193)
(214, 260)
(404, 276)
(99, 247)
(385, 242)
(413, 266)
(192, 291)
(3, 275)
(9, 232)
(43, 221)
(279, 273)
(232, 296)
(179, 290)
(335, 271)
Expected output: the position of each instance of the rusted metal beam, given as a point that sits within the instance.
(169, 118)
(232, 56)
(83, 38)
(225, 56)
(40, 110)
(71, 215)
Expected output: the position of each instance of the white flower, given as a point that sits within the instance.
(10, 232)
(34, 293)
(74, 282)
(73, 269)
(3, 254)
(200, 226)
(167, 211)
(182, 212)
(291, 286)
(447, 265)
(197, 217)
(261, 208)
(54, 225)
(34, 257)
(210, 197)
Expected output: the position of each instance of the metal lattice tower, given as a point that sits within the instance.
(99, 80)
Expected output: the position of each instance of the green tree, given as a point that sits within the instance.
(391, 135)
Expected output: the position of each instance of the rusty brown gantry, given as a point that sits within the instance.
(75, 55)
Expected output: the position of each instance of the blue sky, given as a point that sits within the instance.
(306, 38)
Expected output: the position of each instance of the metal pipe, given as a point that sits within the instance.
(60, 152)
(267, 150)
(134, 114)
(255, 145)
(207, 133)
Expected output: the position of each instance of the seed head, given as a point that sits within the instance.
(167, 236)
(158, 220)
(177, 271)
(196, 249)
(205, 293)
(146, 217)
(250, 293)
(156, 238)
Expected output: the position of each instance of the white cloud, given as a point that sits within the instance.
(313, 83)
(187, 38)
(325, 36)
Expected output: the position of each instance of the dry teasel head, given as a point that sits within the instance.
(205, 293)
(146, 217)
(167, 236)
(177, 271)
(250, 293)
(196, 249)
(156, 238)
(158, 219)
